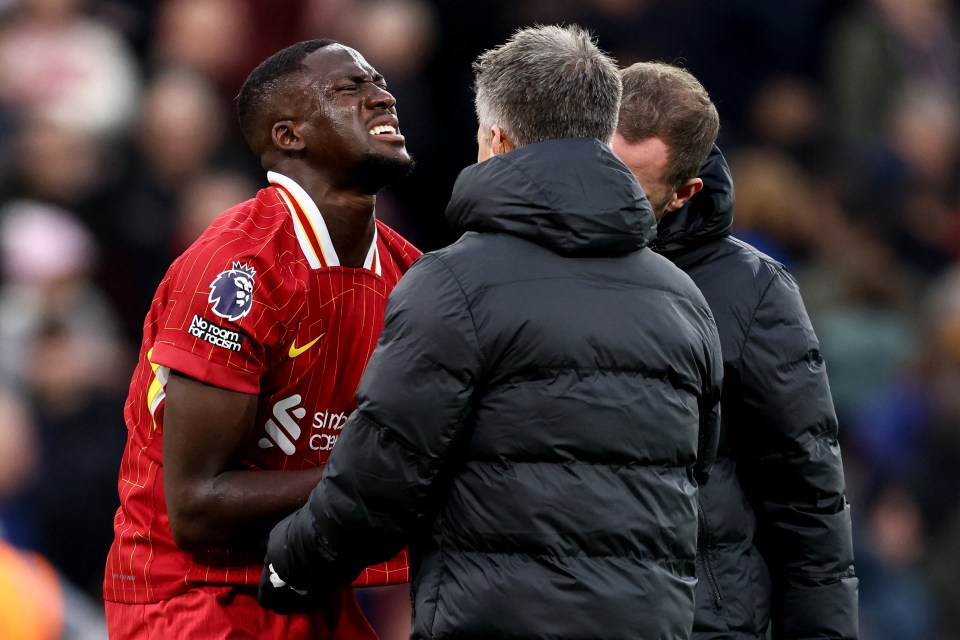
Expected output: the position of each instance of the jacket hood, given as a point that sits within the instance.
(571, 195)
(707, 216)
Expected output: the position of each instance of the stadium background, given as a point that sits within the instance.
(840, 118)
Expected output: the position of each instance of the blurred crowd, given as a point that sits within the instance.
(840, 119)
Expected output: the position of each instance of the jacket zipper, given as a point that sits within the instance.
(704, 556)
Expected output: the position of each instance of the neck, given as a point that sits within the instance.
(351, 223)
(348, 214)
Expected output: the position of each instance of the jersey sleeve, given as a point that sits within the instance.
(228, 304)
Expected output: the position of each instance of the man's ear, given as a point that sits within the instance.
(285, 137)
(500, 142)
(684, 192)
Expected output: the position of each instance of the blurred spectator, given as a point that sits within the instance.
(76, 392)
(59, 349)
(399, 36)
(203, 198)
(938, 465)
(66, 178)
(894, 77)
(937, 471)
(894, 602)
(788, 113)
(203, 36)
(861, 299)
(59, 165)
(322, 16)
(734, 46)
(181, 126)
(911, 190)
(46, 258)
(70, 70)
(180, 135)
(909, 435)
(776, 210)
(878, 49)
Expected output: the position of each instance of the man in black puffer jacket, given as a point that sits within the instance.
(775, 540)
(542, 401)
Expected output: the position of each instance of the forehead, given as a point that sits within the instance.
(336, 61)
(648, 157)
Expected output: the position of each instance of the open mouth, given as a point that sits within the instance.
(384, 129)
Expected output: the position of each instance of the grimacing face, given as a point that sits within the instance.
(349, 118)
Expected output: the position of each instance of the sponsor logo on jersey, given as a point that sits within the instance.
(283, 429)
(231, 292)
(329, 425)
(215, 334)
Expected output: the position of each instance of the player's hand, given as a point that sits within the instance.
(277, 595)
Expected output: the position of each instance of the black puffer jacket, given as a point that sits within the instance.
(775, 525)
(529, 420)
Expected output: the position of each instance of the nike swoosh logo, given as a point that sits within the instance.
(296, 351)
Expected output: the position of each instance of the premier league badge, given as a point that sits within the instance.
(231, 293)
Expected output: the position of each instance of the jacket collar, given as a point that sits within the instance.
(571, 195)
(707, 216)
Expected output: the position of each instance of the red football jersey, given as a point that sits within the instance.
(258, 304)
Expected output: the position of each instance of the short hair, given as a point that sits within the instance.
(262, 85)
(548, 82)
(665, 101)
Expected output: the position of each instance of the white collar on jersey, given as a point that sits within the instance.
(317, 229)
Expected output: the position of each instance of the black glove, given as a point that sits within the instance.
(277, 595)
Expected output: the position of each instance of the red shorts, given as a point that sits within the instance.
(233, 613)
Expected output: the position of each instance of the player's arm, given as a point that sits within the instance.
(209, 499)
(793, 472)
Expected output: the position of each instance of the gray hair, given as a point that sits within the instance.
(548, 82)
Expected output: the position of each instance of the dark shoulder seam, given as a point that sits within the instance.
(778, 269)
(762, 257)
(473, 321)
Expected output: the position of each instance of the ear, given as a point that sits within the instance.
(500, 142)
(286, 137)
(684, 192)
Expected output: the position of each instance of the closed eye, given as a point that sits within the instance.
(354, 83)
